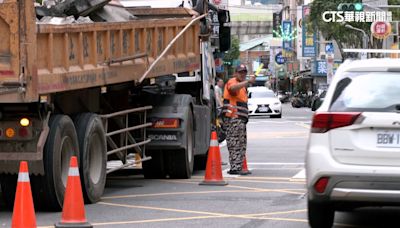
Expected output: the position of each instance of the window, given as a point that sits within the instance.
(261, 94)
(367, 91)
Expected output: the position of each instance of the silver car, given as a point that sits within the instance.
(353, 153)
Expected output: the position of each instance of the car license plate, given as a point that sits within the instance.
(388, 139)
(263, 109)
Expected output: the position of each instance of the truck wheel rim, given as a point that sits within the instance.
(95, 159)
(66, 153)
(190, 145)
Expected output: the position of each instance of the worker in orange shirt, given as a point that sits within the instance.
(236, 117)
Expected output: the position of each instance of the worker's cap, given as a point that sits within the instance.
(241, 68)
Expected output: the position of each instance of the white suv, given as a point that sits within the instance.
(353, 153)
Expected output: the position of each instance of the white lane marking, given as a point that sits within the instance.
(275, 122)
(279, 168)
(300, 175)
(298, 117)
(303, 125)
(275, 163)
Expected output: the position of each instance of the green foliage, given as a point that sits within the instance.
(345, 38)
(234, 52)
(232, 55)
(395, 11)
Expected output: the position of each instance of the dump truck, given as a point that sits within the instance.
(106, 92)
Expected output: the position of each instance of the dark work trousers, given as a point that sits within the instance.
(236, 140)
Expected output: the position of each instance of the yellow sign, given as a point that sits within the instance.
(259, 69)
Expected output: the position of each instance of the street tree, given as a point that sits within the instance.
(395, 11)
(234, 51)
(232, 54)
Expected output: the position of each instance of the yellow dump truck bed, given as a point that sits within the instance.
(39, 59)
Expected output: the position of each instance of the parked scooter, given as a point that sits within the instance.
(301, 100)
(283, 96)
(297, 102)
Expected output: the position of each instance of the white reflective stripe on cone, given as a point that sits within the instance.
(73, 172)
(23, 177)
(214, 143)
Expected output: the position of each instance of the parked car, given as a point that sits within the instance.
(318, 99)
(263, 101)
(353, 157)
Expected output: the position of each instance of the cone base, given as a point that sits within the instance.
(217, 183)
(67, 225)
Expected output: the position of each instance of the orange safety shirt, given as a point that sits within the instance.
(235, 102)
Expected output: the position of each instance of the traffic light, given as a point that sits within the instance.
(351, 6)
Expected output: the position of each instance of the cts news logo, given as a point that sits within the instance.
(353, 12)
(351, 16)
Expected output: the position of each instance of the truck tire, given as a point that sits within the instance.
(182, 161)
(61, 144)
(154, 168)
(8, 189)
(93, 158)
(200, 162)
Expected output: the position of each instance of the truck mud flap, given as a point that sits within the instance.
(168, 138)
(202, 118)
(175, 106)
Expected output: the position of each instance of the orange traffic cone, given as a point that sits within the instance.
(24, 212)
(245, 170)
(213, 174)
(73, 214)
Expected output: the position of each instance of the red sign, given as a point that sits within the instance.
(380, 29)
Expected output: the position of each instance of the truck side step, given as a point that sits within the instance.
(124, 134)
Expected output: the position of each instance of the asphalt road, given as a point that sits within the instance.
(273, 196)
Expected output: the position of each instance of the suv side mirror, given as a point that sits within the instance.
(224, 19)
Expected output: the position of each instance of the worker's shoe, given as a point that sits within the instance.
(237, 172)
(233, 172)
(245, 172)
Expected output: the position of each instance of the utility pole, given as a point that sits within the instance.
(365, 39)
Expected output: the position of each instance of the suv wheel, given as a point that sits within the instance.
(320, 215)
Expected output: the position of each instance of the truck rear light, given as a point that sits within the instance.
(10, 132)
(24, 122)
(321, 184)
(166, 123)
(323, 122)
(7, 72)
(23, 132)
